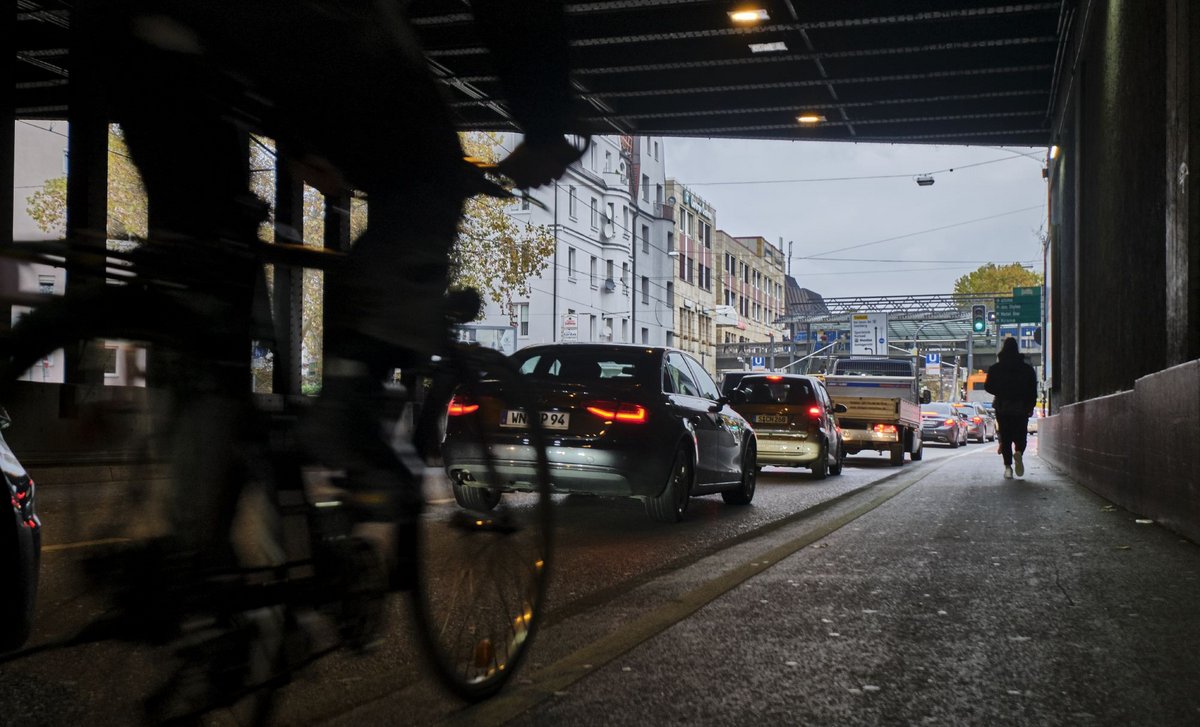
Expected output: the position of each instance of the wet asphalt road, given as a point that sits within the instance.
(933, 593)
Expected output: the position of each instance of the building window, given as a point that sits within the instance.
(609, 267)
(646, 238)
(624, 274)
(522, 319)
(608, 161)
(624, 330)
(671, 295)
(595, 214)
(658, 194)
(571, 263)
(645, 187)
(656, 150)
(46, 284)
(524, 203)
(110, 360)
(572, 203)
(645, 336)
(591, 328)
(645, 290)
(671, 241)
(608, 329)
(592, 272)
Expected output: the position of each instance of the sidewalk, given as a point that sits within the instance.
(964, 599)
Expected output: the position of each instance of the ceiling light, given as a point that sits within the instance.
(810, 118)
(775, 47)
(749, 15)
(1054, 152)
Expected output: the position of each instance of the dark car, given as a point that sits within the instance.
(20, 549)
(623, 421)
(980, 425)
(794, 420)
(942, 422)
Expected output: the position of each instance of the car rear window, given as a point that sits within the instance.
(761, 390)
(585, 366)
(937, 408)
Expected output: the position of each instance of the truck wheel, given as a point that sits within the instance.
(919, 452)
(897, 455)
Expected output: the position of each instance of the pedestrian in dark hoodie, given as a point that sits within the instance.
(1014, 385)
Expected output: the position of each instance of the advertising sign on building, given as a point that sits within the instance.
(868, 334)
(570, 328)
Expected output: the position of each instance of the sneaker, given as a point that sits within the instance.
(1008, 473)
(1018, 465)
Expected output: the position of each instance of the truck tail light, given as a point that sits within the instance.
(885, 428)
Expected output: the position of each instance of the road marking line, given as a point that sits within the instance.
(83, 544)
(558, 676)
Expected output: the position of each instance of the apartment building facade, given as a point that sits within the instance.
(690, 246)
(605, 281)
(751, 290)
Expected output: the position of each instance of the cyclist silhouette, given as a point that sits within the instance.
(345, 90)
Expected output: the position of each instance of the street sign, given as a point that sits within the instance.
(933, 363)
(758, 362)
(868, 334)
(570, 328)
(1019, 309)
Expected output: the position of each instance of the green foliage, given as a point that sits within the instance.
(127, 207)
(992, 278)
(495, 253)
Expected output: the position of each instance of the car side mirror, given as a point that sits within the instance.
(926, 396)
(840, 409)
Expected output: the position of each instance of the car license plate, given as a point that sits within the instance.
(520, 419)
(770, 419)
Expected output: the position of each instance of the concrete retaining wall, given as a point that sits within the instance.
(1139, 448)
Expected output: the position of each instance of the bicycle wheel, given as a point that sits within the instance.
(143, 593)
(481, 574)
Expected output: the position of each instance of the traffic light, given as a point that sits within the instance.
(979, 318)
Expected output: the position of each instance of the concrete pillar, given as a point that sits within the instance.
(1182, 223)
(288, 296)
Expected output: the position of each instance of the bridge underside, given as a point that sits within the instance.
(1111, 83)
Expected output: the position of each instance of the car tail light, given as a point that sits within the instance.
(619, 412)
(774, 378)
(977, 420)
(885, 428)
(460, 406)
(814, 412)
(950, 422)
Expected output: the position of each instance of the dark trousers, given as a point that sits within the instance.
(1013, 432)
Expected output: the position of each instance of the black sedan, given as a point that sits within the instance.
(621, 420)
(942, 422)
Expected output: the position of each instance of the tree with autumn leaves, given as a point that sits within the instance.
(495, 253)
(993, 278)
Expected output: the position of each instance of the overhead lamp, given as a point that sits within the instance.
(810, 118)
(1054, 152)
(777, 47)
(924, 180)
(749, 15)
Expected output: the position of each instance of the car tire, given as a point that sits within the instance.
(480, 499)
(670, 505)
(838, 463)
(897, 455)
(744, 493)
(919, 452)
(820, 468)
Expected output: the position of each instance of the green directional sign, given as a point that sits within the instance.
(1024, 307)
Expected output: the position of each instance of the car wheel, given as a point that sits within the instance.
(745, 491)
(672, 503)
(897, 454)
(482, 499)
(838, 462)
(820, 468)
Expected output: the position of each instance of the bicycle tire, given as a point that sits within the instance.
(481, 576)
(186, 666)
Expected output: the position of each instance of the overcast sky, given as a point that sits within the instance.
(823, 216)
